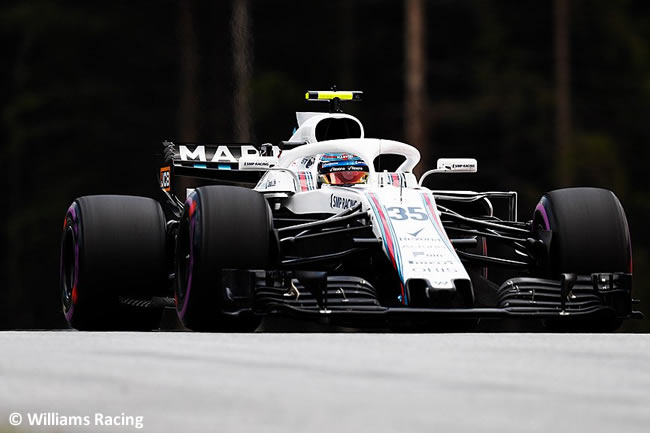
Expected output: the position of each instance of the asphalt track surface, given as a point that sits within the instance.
(188, 382)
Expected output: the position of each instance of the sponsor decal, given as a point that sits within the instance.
(307, 162)
(467, 165)
(339, 156)
(248, 165)
(218, 153)
(342, 202)
(332, 168)
(165, 178)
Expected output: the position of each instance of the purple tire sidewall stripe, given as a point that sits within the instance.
(542, 211)
(72, 212)
(188, 203)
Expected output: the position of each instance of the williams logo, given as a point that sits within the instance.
(342, 202)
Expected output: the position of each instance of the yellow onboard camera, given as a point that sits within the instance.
(334, 97)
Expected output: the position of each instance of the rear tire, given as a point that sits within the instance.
(224, 232)
(590, 234)
(112, 246)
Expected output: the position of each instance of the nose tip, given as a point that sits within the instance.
(439, 295)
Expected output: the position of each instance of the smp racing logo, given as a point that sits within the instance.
(342, 202)
(463, 166)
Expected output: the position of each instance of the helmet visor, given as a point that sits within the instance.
(345, 177)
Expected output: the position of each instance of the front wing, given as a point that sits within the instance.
(352, 301)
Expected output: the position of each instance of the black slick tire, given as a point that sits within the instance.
(112, 247)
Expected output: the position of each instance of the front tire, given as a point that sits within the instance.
(224, 232)
(590, 234)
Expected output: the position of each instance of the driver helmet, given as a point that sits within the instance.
(342, 169)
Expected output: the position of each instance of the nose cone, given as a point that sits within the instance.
(422, 294)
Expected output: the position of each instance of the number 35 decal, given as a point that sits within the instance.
(399, 213)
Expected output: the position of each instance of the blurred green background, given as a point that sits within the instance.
(544, 93)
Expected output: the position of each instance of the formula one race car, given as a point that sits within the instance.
(335, 227)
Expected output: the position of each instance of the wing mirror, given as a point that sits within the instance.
(457, 165)
(452, 165)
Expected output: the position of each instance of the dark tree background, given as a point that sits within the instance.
(545, 93)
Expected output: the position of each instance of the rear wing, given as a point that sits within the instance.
(187, 165)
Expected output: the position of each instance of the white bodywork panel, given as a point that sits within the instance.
(404, 216)
(406, 221)
(307, 122)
